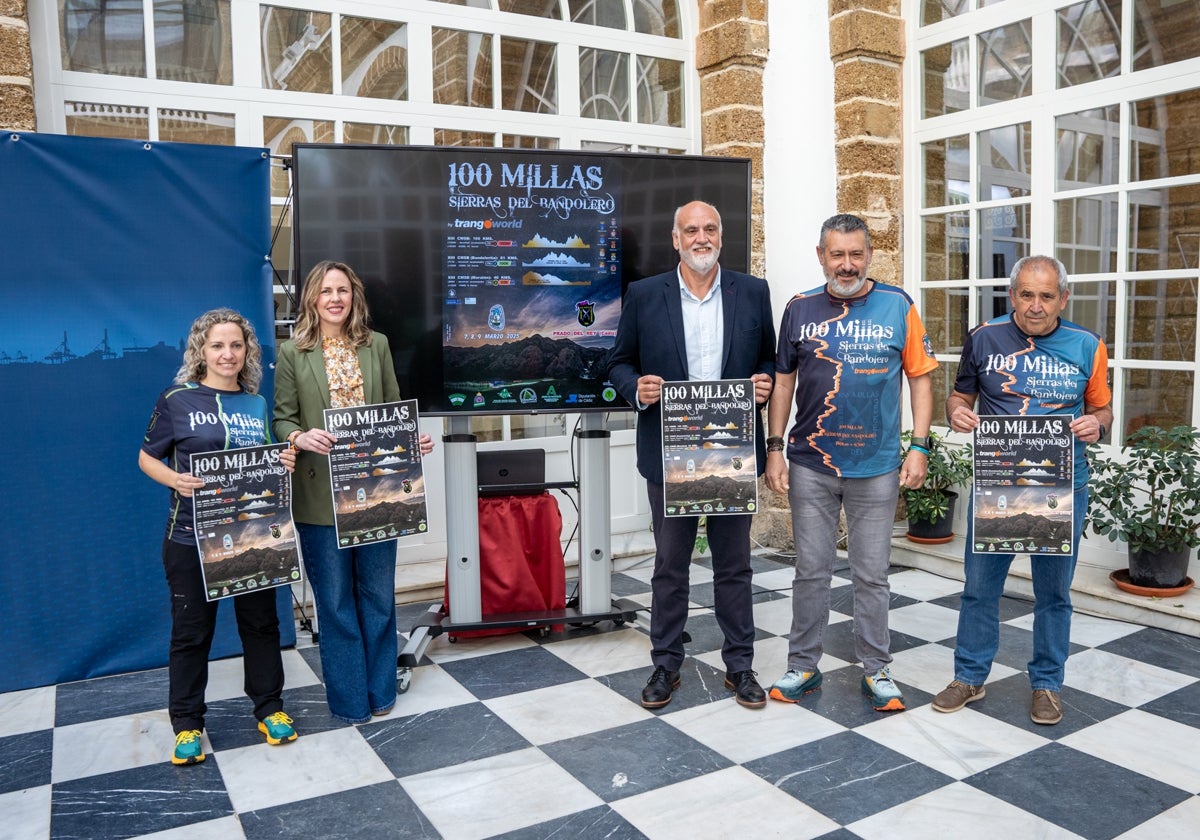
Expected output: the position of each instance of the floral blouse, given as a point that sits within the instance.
(344, 374)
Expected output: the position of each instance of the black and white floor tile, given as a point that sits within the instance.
(537, 736)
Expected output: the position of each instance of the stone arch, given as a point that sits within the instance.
(387, 77)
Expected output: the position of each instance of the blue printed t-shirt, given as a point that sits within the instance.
(848, 355)
(194, 418)
(1061, 372)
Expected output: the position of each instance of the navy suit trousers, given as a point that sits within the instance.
(729, 542)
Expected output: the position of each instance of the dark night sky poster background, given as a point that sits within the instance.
(136, 239)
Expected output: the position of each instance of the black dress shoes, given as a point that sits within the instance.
(660, 686)
(746, 688)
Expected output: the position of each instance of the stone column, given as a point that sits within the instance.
(731, 51)
(16, 68)
(866, 43)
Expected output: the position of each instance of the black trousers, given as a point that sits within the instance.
(674, 540)
(193, 620)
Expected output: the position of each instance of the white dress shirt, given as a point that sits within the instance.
(703, 329)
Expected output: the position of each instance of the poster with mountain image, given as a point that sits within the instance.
(243, 517)
(708, 448)
(1024, 485)
(532, 271)
(375, 472)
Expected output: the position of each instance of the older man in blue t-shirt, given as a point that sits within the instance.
(1005, 365)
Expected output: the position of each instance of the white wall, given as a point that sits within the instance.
(800, 169)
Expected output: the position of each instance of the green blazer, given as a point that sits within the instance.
(301, 395)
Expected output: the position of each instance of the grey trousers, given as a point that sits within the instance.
(870, 505)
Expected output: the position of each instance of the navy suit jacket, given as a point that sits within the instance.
(650, 340)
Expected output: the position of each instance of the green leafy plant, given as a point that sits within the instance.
(702, 535)
(1150, 497)
(949, 466)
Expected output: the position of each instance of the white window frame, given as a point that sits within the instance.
(1040, 109)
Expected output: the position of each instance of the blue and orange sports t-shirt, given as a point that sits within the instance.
(1061, 372)
(848, 355)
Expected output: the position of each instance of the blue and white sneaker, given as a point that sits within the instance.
(884, 693)
(795, 684)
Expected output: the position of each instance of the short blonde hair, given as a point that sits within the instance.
(194, 369)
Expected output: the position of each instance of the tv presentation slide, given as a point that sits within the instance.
(532, 283)
(243, 520)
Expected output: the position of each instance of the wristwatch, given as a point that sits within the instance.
(922, 442)
(774, 443)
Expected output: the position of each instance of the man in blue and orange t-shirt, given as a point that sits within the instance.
(1031, 361)
(845, 349)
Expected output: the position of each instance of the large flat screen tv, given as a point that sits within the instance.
(497, 274)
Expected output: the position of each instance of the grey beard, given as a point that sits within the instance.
(698, 264)
(847, 289)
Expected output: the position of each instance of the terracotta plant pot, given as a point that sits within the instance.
(1121, 579)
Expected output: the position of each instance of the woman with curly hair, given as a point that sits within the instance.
(214, 404)
(334, 360)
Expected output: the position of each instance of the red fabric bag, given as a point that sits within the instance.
(520, 559)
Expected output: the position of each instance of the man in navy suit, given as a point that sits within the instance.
(699, 323)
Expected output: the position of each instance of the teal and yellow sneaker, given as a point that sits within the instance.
(884, 693)
(278, 729)
(187, 748)
(795, 684)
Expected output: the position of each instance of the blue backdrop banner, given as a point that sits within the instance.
(111, 248)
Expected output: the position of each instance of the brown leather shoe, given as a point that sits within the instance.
(1046, 708)
(956, 695)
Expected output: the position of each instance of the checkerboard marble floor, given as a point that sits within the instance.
(527, 736)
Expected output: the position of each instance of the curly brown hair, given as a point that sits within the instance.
(194, 368)
(307, 332)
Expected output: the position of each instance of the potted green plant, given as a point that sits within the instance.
(1150, 499)
(930, 507)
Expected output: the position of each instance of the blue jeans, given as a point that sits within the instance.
(355, 592)
(870, 504)
(979, 614)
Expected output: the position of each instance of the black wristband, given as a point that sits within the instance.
(922, 442)
(774, 443)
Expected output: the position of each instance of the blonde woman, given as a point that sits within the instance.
(214, 404)
(334, 360)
